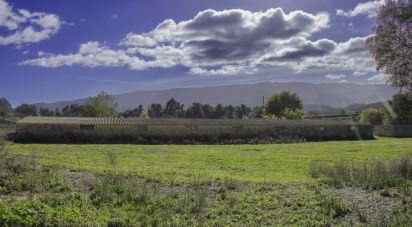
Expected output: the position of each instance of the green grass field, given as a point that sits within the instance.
(206, 185)
(183, 163)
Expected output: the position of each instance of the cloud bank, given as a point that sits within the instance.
(225, 43)
(368, 8)
(22, 26)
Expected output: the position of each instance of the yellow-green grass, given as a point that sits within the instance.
(284, 163)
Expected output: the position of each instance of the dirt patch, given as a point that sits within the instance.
(367, 206)
(20, 195)
(79, 181)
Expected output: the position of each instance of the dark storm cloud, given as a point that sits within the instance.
(308, 49)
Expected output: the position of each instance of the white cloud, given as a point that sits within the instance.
(368, 8)
(335, 76)
(378, 78)
(229, 42)
(360, 73)
(91, 54)
(22, 26)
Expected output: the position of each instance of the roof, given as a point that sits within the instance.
(171, 121)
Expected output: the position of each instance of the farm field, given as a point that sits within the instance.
(203, 185)
(283, 163)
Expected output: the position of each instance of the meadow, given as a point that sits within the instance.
(208, 185)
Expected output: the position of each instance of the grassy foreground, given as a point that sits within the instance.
(207, 185)
(283, 163)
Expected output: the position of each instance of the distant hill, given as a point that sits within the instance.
(321, 98)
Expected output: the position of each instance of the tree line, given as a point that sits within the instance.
(284, 105)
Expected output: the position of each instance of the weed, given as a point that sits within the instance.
(377, 174)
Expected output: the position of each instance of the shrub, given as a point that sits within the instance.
(377, 174)
(371, 116)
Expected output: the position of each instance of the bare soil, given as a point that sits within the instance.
(368, 207)
(79, 181)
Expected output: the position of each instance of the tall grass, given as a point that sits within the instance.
(23, 174)
(376, 174)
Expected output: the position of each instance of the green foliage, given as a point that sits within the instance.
(371, 116)
(46, 112)
(399, 111)
(50, 210)
(155, 111)
(173, 109)
(377, 174)
(284, 105)
(73, 110)
(391, 46)
(102, 105)
(24, 174)
(335, 207)
(25, 110)
(5, 107)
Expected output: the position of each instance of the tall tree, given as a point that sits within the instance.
(243, 112)
(173, 109)
(5, 107)
(45, 112)
(400, 111)
(155, 110)
(195, 111)
(25, 110)
(284, 105)
(230, 112)
(391, 46)
(57, 113)
(219, 111)
(102, 105)
(73, 110)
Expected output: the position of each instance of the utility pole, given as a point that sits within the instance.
(263, 101)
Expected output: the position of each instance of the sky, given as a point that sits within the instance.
(62, 50)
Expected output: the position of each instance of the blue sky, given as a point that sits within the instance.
(61, 50)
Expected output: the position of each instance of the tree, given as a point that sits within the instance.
(391, 46)
(173, 109)
(257, 112)
(155, 111)
(46, 112)
(219, 111)
(284, 105)
(25, 110)
(73, 110)
(144, 113)
(195, 111)
(102, 105)
(57, 113)
(208, 111)
(230, 112)
(242, 111)
(400, 109)
(371, 116)
(5, 107)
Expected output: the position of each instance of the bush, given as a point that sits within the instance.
(371, 116)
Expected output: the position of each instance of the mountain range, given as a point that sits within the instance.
(323, 97)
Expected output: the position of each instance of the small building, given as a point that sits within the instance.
(166, 130)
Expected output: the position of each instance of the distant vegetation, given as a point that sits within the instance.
(284, 105)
